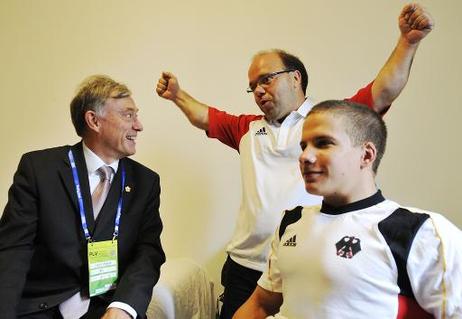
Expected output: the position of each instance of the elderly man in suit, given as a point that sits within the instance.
(80, 234)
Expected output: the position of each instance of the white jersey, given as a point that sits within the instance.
(364, 260)
(271, 180)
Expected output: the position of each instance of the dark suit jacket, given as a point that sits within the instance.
(42, 246)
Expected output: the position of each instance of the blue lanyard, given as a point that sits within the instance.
(83, 219)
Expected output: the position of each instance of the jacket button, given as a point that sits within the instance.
(43, 306)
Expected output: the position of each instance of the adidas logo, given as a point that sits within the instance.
(292, 241)
(261, 131)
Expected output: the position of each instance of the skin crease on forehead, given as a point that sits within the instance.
(283, 95)
(331, 165)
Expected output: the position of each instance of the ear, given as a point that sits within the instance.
(92, 121)
(297, 77)
(368, 156)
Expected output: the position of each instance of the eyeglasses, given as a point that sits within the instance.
(266, 79)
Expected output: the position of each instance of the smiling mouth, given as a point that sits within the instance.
(131, 137)
(311, 175)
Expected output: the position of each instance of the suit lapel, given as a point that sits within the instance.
(129, 186)
(66, 175)
(65, 172)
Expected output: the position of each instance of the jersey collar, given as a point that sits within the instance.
(361, 204)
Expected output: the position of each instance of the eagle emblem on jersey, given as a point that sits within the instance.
(348, 246)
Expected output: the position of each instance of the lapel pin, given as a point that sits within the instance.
(127, 189)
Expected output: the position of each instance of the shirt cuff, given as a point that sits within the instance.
(123, 306)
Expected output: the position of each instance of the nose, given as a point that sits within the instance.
(308, 156)
(137, 126)
(259, 91)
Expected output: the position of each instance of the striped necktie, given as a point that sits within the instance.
(100, 193)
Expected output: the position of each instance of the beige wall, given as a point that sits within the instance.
(48, 47)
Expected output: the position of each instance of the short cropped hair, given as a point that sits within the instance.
(361, 124)
(91, 96)
(291, 62)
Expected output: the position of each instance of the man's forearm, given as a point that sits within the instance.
(250, 311)
(195, 111)
(415, 23)
(261, 304)
(394, 75)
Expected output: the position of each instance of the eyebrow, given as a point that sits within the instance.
(319, 137)
(121, 95)
(324, 136)
(258, 78)
(130, 109)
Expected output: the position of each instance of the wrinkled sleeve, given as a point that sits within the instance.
(434, 268)
(271, 278)
(18, 227)
(228, 128)
(364, 96)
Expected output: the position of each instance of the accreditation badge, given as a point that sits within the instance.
(102, 266)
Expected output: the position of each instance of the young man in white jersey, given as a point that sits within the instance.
(358, 255)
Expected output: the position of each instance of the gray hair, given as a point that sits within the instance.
(91, 96)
